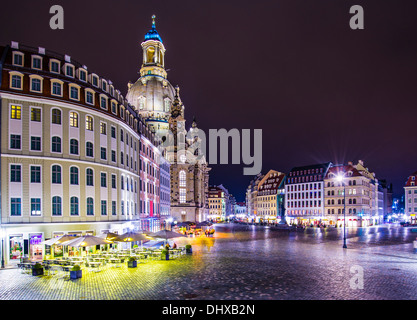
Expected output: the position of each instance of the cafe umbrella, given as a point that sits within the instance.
(86, 241)
(57, 241)
(166, 234)
(131, 237)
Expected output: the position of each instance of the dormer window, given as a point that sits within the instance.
(16, 80)
(36, 62)
(56, 87)
(104, 85)
(112, 91)
(82, 75)
(89, 96)
(18, 59)
(94, 80)
(113, 106)
(35, 83)
(103, 102)
(54, 66)
(74, 92)
(69, 70)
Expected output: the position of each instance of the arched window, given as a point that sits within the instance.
(141, 103)
(182, 178)
(89, 177)
(56, 206)
(74, 206)
(56, 174)
(73, 175)
(90, 206)
(56, 116)
(354, 182)
(354, 201)
(73, 146)
(56, 144)
(167, 104)
(74, 119)
(89, 149)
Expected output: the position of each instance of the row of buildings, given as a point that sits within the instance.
(78, 157)
(319, 194)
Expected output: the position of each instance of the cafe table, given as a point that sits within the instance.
(95, 265)
(115, 261)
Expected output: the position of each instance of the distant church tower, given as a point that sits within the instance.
(152, 94)
(160, 105)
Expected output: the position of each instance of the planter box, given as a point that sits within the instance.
(189, 251)
(165, 256)
(37, 272)
(132, 264)
(76, 274)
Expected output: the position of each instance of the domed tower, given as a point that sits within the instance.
(152, 94)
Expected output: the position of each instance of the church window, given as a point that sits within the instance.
(167, 104)
(141, 103)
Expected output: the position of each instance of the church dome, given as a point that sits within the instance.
(151, 93)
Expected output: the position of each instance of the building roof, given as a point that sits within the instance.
(271, 183)
(310, 173)
(153, 34)
(347, 170)
(411, 181)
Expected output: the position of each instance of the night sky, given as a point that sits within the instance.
(319, 90)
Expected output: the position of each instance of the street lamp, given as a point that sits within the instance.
(340, 179)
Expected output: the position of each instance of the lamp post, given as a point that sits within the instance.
(340, 179)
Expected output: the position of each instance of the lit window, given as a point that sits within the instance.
(182, 178)
(15, 112)
(74, 119)
(35, 206)
(89, 123)
(35, 114)
(182, 195)
(103, 129)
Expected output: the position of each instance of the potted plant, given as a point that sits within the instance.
(211, 232)
(165, 254)
(37, 269)
(188, 249)
(132, 263)
(76, 272)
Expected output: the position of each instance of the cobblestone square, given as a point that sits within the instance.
(247, 262)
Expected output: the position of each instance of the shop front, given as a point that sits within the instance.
(36, 249)
(16, 248)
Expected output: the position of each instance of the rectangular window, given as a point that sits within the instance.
(35, 85)
(70, 71)
(15, 112)
(95, 81)
(15, 173)
(16, 206)
(121, 135)
(113, 181)
(121, 158)
(104, 207)
(83, 75)
(182, 195)
(55, 66)
(113, 208)
(35, 206)
(103, 153)
(18, 59)
(35, 174)
(74, 93)
(56, 89)
(35, 114)
(89, 97)
(113, 156)
(113, 107)
(113, 132)
(103, 180)
(15, 141)
(36, 63)
(103, 103)
(16, 81)
(103, 128)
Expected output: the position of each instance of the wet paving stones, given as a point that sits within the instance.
(246, 262)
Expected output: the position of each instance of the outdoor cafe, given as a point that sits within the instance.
(98, 253)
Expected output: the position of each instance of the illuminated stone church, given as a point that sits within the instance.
(160, 105)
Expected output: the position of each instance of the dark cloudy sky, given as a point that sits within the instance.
(319, 90)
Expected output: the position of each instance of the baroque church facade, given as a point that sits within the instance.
(160, 105)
